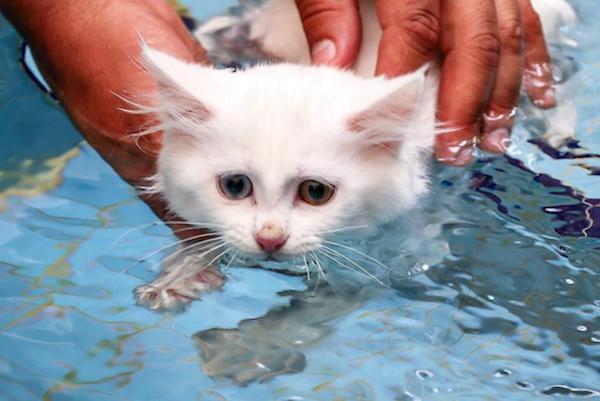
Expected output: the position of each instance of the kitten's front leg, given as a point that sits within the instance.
(182, 281)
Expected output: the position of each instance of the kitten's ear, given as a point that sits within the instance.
(181, 84)
(384, 122)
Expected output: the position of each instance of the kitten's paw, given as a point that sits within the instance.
(170, 294)
(162, 298)
(208, 279)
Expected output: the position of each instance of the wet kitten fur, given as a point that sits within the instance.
(280, 124)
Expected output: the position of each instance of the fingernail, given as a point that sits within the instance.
(323, 52)
(498, 140)
(464, 157)
(550, 97)
(548, 100)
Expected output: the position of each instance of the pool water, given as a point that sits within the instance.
(494, 292)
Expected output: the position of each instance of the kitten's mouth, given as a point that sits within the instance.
(278, 257)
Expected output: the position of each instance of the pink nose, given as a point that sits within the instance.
(270, 244)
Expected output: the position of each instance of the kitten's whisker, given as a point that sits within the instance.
(321, 274)
(200, 246)
(358, 252)
(182, 250)
(337, 230)
(318, 277)
(204, 243)
(159, 222)
(331, 284)
(306, 267)
(318, 264)
(199, 224)
(335, 260)
(195, 237)
(191, 228)
(362, 269)
(235, 254)
(221, 254)
(131, 230)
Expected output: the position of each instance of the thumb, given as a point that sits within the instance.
(333, 30)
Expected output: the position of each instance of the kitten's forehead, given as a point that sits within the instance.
(300, 94)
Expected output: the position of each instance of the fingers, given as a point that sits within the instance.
(498, 118)
(471, 46)
(410, 33)
(187, 48)
(537, 80)
(333, 30)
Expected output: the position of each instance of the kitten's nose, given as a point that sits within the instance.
(270, 244)
(270, 238)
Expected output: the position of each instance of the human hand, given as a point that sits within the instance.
(87, 52)
(487, 48)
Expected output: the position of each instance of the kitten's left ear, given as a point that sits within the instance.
(384, 122)
(181, 85)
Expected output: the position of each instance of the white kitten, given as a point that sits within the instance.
(277, 157)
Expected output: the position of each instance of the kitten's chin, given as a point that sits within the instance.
(277, 257)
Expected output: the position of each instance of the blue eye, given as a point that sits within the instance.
(235, 186)
(315, 193)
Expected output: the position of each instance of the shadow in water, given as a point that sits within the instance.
(259, 349)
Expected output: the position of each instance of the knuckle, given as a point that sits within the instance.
(484, 50)
(511, 35)
(421, 26)
(317, 10)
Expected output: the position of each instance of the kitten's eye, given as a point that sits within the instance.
(315, 193)
(235, 186)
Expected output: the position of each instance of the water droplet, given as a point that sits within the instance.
(410, 396)
(423, 374)
(502, 373)
(595, 340)
(597, 303)
(525, 385)
(582, 328)
(570, 281)
(491, 297)
(569, 391)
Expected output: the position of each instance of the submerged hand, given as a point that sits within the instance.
(487, 47)
(87, 52)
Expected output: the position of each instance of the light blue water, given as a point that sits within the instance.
(503, 302)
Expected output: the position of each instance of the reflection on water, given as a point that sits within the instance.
(493, 292)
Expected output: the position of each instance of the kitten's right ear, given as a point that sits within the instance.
(181, 85)
(382, 124)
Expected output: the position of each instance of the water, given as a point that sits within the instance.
(502, 302)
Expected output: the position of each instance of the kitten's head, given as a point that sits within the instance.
(277, 157)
